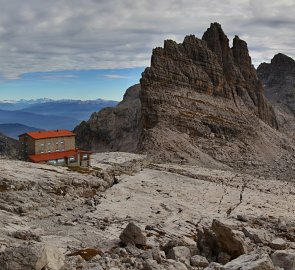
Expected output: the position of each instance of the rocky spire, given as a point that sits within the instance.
(218, 42)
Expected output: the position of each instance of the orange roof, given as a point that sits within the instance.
(57, 155)
(49, 134)
(53, 156)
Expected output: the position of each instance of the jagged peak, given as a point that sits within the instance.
(217, 41)
(192, 39)
(237, 42)
(214, 32)
(282, 59)
(241, 47)
(215, 25)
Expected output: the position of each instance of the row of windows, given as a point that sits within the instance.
(49, 143)
(58, 161)
(49, 151)
(61, 161)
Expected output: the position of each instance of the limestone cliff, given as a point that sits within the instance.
(113, 129)
(200, 101)
(208, 66)
(278, 78)
(202, 94)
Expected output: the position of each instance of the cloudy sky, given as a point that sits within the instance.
(97, 48)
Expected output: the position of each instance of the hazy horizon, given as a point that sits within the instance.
(71, 84)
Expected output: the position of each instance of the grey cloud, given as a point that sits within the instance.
(39, 35)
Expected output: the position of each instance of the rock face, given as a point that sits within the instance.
(202, 88)
(199, 102)
(278, 78)
(8, 146)
(208, 66)
(113, 129)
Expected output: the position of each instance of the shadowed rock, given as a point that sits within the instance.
(132, 234)
(113, 129)
(228, 240)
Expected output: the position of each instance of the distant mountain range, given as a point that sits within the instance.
(35, 104)
(25, 115)
(13, 130)
(77, 109)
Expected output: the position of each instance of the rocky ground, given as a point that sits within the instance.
(128, 213)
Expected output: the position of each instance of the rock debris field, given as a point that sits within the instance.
(127, 213)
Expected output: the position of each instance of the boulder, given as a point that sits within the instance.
(173, 265)
(257, 235)
(31, 256)
(180, 253)
(229, 240)
(251, 262)
(284, 259)
(132, 234)
(214, 266)
(278, 244)
(168, 264)
(150, 264)
(183, 241)
(199, 261)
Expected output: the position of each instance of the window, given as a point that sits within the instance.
(57, 150)
(49, 143)
(62, 142)
(61, 160)
(85, 156)
(72, 159)
(42, 148)
(52, 162)
(49, 151)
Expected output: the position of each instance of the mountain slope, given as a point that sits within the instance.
(116, 129)
(201, 102)
(15, 129)
(202, 99)
(278, 78)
